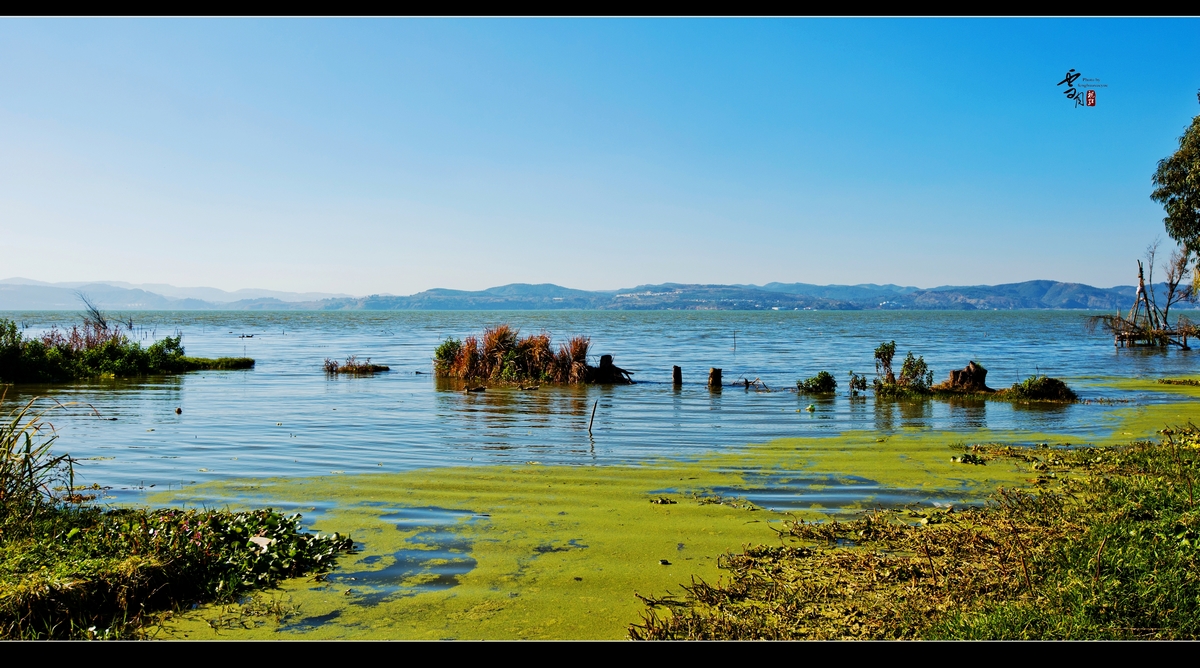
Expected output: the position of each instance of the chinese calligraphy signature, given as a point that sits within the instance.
(1071, 92)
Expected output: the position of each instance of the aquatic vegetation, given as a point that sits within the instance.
(501, 355)
(28, 467)
(915, 377)
(822, 383)
(93, 350)
(1040, 388)
(1101, 544)
(1179, 381)
(80, 571)
(69, 569)
(857, 384)
(353, 366)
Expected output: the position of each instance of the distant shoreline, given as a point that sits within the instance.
(1029, 295)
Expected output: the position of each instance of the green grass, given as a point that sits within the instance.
(1102, 543)
(95, 352)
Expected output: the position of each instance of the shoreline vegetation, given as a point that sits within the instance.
(500, 355)
(70, 569)
(96, 349)
(1102, 543)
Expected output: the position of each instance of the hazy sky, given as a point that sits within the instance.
(369, 156)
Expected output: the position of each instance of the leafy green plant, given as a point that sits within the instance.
(822, 383)
(915, 374)
(445, 355)
(857, 384)
(915, 377)
(1177, 187)
(883, 363)
(1041, 388)
(81, 567)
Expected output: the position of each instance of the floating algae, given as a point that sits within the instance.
(559, 551)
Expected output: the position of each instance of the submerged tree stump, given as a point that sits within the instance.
(609, 373)
(969, 379)
(714, 379)
(676, 376)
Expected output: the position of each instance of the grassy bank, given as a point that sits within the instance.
(70, 569)
(94, 350)
(1099, 543)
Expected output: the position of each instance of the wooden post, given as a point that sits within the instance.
(714, 379)
(676, 376)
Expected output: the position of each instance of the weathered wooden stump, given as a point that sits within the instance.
(676, 376)
(714, 379)
(969, 379)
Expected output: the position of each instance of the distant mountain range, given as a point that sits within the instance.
(25, 295)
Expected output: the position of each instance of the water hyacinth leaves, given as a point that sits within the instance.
(81, 567)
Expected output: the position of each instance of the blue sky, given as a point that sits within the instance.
(391, 156)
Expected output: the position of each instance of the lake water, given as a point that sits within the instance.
(286, 417)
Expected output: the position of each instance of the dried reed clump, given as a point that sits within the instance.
(500, 354)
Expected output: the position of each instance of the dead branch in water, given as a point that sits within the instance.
(1146, 324)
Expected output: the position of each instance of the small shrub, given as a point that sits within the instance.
(857, 384)
(883, 362)
(445, 355)
(1042, 388)
(822, 383)
(915, 374)
(915, 377)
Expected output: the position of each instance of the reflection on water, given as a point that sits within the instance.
(288, 418)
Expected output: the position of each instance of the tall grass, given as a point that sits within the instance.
(500, 354)
(29, 471)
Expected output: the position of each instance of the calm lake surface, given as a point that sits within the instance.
(286, 417)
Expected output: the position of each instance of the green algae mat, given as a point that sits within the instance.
(563, 552)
